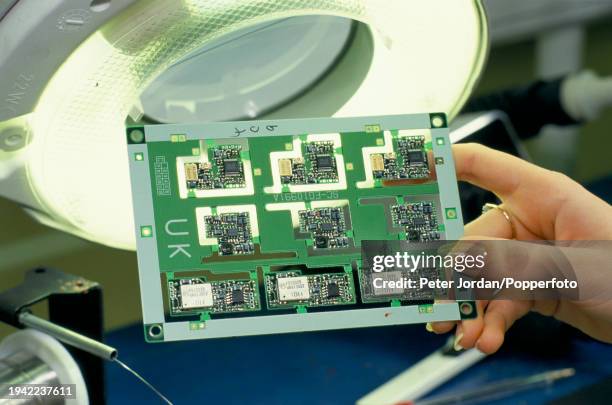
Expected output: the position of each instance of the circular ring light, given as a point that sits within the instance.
(426, 56)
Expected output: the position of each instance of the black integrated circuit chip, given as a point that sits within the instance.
(326, 225)
(231, 167)
(237, 297)
(232, 231)
(333, 290)
(325, 162)
(415, 157)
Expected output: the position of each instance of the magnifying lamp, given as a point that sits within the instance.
(73, 71)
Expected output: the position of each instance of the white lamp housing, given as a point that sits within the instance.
(72, 71)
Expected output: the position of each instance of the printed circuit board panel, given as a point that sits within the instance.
(256, 227)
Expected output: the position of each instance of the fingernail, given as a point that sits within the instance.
(428, 327)
(457, 345)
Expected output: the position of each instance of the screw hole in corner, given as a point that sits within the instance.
(137, 136)
(98, 6)
(155, 331)
(466, 308)
(438, 120)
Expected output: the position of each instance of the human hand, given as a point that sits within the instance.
(544, 205)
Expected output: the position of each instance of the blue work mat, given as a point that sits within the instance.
(334, 367)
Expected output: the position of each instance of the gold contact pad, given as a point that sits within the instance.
(378, 163)
(285, 167)
(191, 172)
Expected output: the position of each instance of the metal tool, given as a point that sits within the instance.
(69, 337)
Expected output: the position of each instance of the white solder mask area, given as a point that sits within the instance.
(296, 153)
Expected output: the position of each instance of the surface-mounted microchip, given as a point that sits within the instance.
(231, 167)
(286, 289)
(293, 288)
(232, 231)
(189, 295)
(316, 165)
(237, 297)
(333, 290)
(196, 295)
(326, 225)
(418, 219)
(224, 170)
(324, 162)
(416, 157)
(407, 161)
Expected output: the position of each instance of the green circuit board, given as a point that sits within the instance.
(263, 221)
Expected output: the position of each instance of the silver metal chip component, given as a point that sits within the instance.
(293, 288)
(394, 277)
(196, 295)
